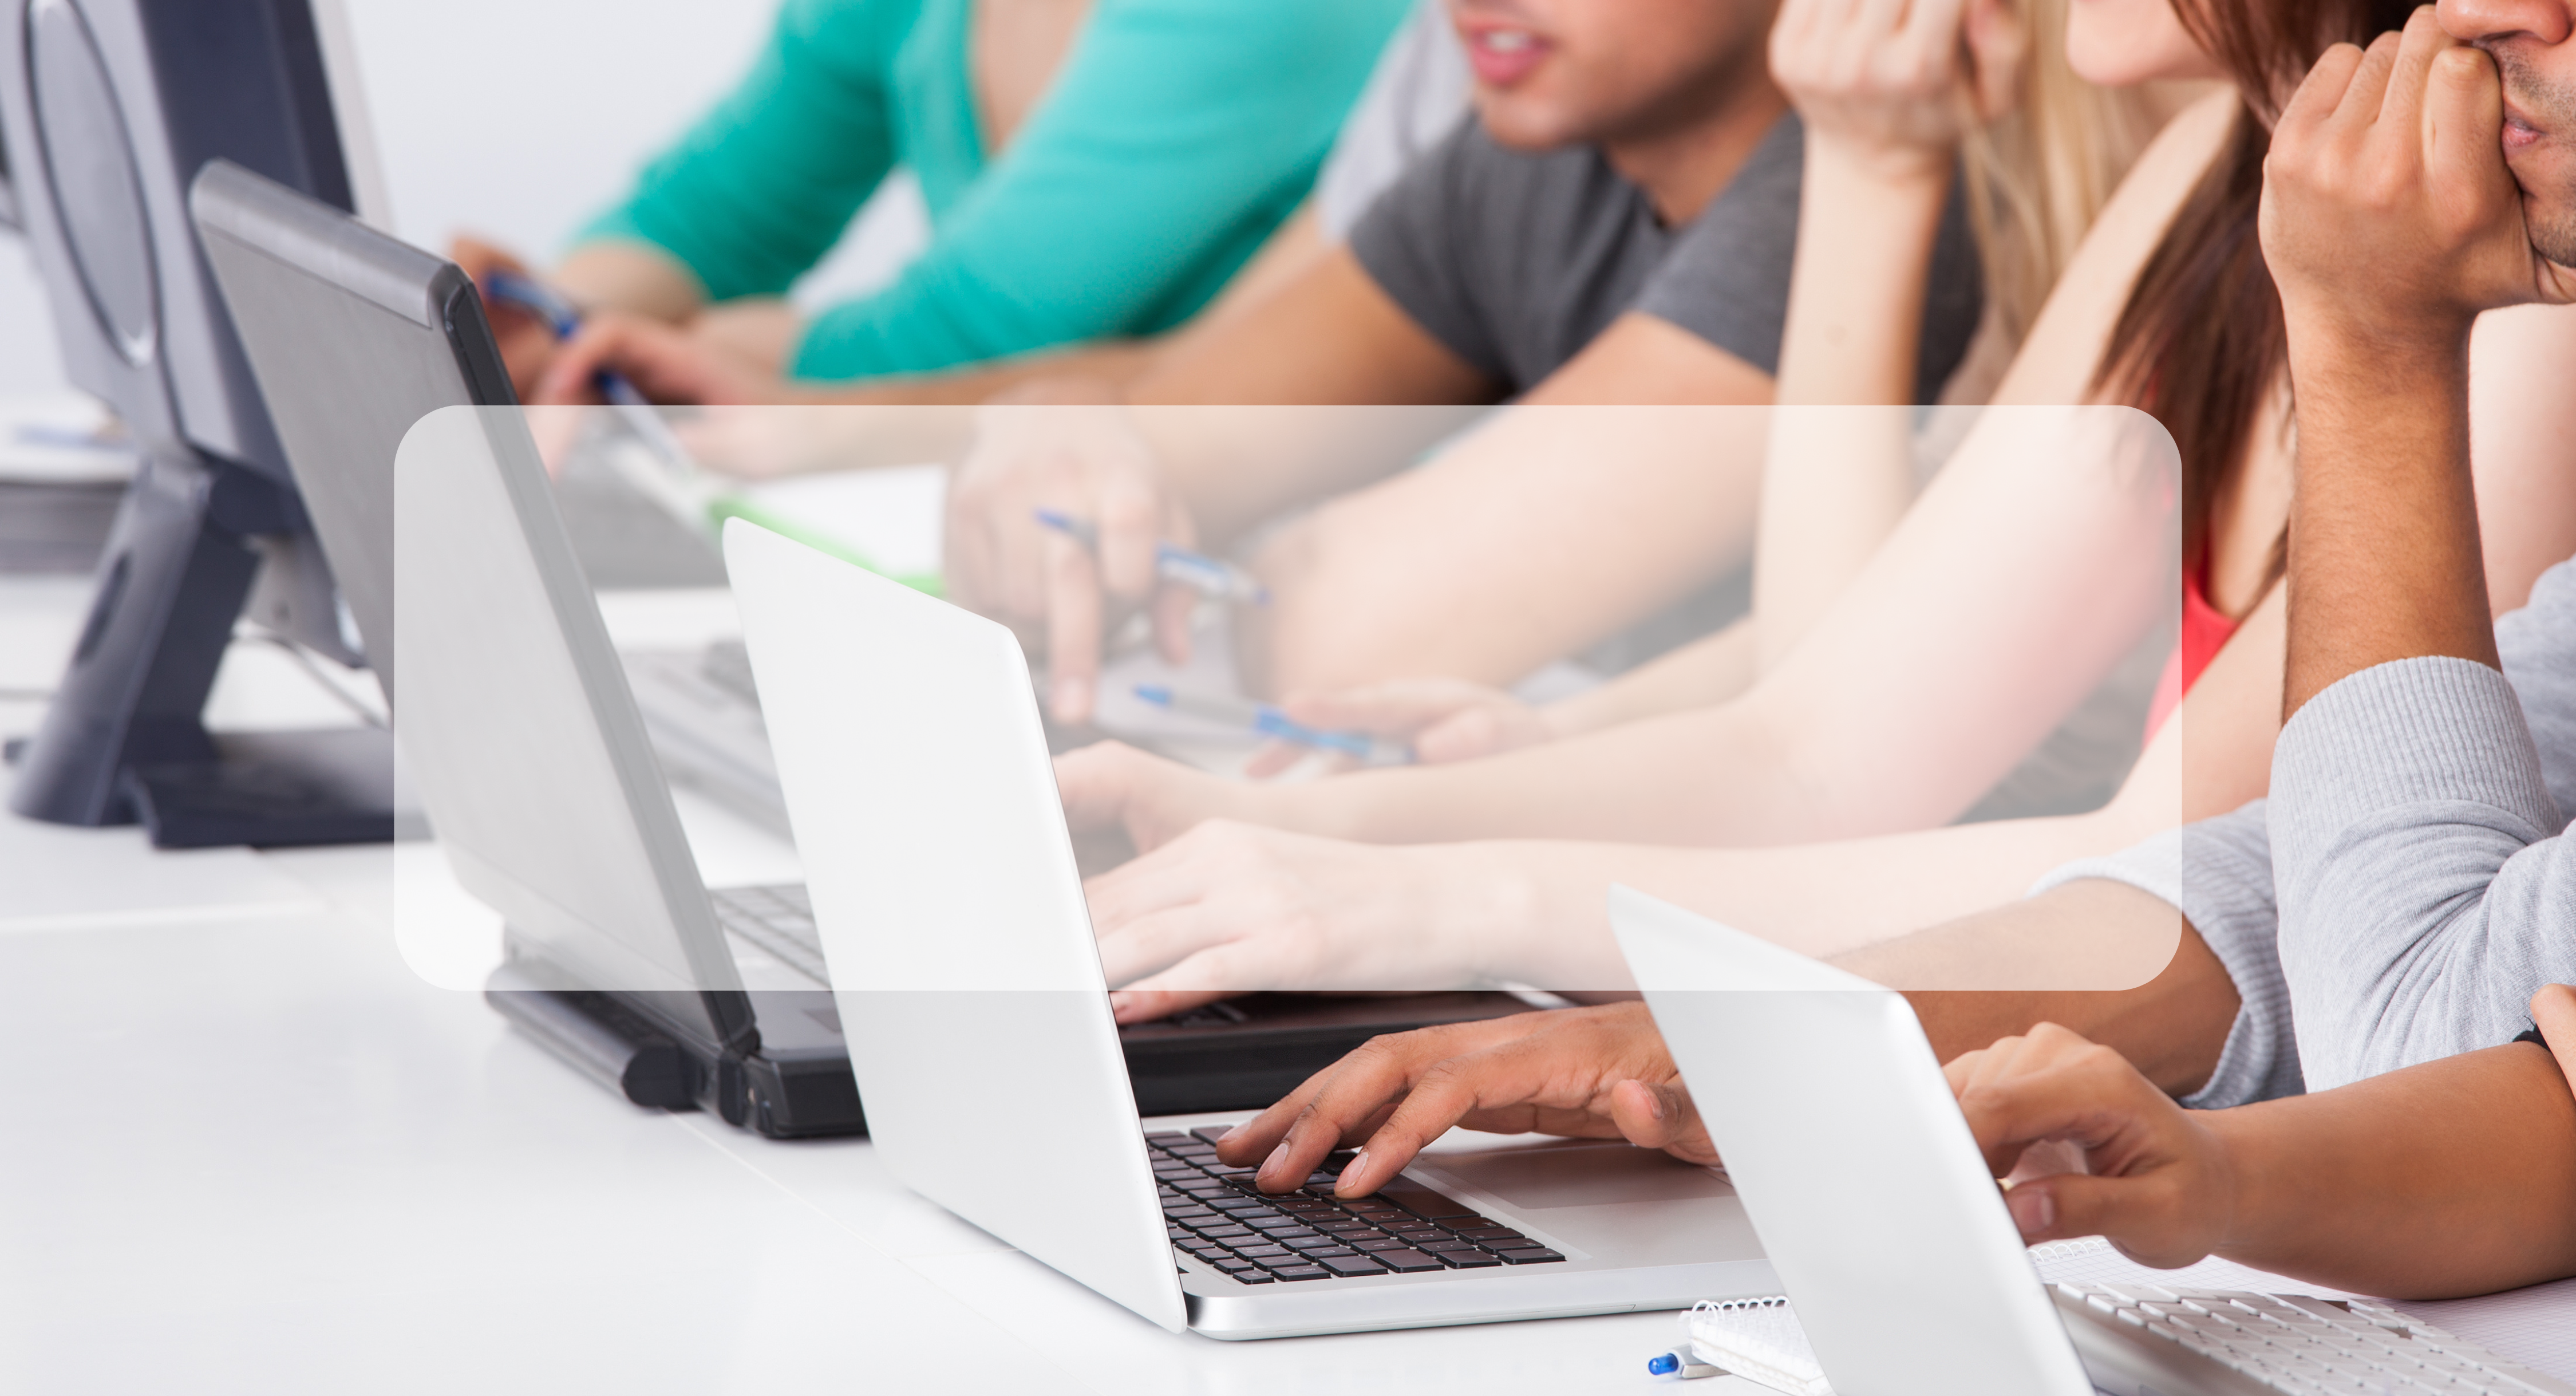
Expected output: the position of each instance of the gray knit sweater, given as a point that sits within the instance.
(2426, 884)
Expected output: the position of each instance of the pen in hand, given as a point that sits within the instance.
(1212, 577)
(1271, 722)
(636, 410)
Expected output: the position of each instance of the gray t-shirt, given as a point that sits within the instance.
(1412, 102)
(1516, 261)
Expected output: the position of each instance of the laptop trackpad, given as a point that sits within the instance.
(1621, 1203)
(1579, 1175)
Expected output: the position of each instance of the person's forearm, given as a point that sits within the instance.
(1711, 669)
(1710, 777)
(1239, 466)
(1823, 900)
(635, 277)
(2455, 1177)
(2384, 552)
(1109, 363)
(2112, 963)
(1540, 532)
(1840, 473)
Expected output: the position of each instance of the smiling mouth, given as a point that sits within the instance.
(1502, 55)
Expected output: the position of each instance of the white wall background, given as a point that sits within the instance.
(518, 120)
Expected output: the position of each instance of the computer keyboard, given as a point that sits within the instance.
(727, 665)
(2294, 1343)
(780, 920)
(1214, 1211)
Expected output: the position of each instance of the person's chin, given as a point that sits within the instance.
(2547, 175)
(1529, 121)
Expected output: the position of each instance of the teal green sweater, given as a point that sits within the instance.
(1177, 135)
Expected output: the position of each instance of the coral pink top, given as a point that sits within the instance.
(2204, 631)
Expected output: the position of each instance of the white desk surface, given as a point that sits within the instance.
(253, 1151)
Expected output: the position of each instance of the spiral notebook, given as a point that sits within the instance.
(1759, 1340)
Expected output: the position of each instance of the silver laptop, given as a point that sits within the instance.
(1904, 1270)
(532, 752)
(964, 961)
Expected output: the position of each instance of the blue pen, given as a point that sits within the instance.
(1270, 722)
(562, 320)
(1207, 575)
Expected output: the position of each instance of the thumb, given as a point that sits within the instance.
(1094, 785)
(2135, 1214)
(1394, 709)
(1461, 736)
(1660, 1115)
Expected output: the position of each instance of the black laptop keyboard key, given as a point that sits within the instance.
(1336, 1161)
(1527, 1257)
(1375, 1245)
(1489, 1235)
(1235, 1266)
(1211, 1133)
(1423, 1202)
(1302, 1272)
(1406, 1262)
(1254, 1277)
(1452, 1244)
(1353, 1264)
(1168, 1138)
(1464, 1259)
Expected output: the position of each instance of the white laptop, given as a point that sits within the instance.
(969, 981)
(1904, 1269)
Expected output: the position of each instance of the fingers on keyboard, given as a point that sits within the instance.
(1214, 1213)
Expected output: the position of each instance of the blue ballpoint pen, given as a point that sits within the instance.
(682, 490)
(1207, 575)
(1270, 722)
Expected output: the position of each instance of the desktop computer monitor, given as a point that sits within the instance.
(108, 109)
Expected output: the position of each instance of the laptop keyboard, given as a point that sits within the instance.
(727, 665)
(2299, 1344)
(1214, 1212)
(780, 920)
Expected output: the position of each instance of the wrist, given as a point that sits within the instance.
(2243, 1181)
(2323, 332)
(1915, 173)
(1488, 915)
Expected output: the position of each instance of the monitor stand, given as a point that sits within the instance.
(123, 740)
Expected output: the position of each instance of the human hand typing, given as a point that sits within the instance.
(1231, 908)
(2154, 1179)
(1586, 1073)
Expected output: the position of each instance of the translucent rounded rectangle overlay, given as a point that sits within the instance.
(1195, 703)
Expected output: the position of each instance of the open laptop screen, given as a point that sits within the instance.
(436, 515)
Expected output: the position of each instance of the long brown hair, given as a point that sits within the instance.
(2201, 345)
(2038, 176)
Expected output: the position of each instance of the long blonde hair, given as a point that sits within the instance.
(2038, 176)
